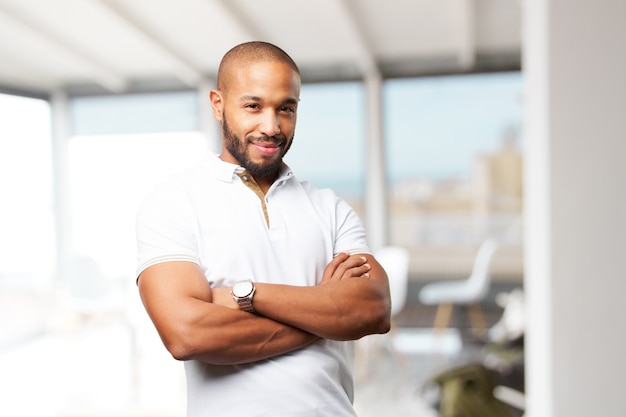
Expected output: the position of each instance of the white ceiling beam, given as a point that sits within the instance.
(249, 28)
(365, 58)
(184, 70)
(103, 75)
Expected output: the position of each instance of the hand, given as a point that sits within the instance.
(344, 266)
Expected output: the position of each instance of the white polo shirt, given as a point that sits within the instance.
(207, 215)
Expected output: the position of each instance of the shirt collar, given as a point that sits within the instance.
(225, 171)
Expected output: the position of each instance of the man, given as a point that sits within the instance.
(255, 279)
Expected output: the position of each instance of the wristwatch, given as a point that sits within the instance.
(243, 292)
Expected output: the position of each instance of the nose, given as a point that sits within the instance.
(270, 124)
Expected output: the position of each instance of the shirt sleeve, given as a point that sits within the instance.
(350, 232)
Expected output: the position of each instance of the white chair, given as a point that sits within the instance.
(468, 292)
(395, 261)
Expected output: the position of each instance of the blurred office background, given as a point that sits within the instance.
(445, 124)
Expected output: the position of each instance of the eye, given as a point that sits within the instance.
(287, 109)
(252, 106)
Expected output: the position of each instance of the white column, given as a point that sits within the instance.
(575, 180)
(377, 219)
(60, 134)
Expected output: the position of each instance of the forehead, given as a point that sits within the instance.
(265, 80)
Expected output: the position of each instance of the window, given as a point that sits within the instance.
(27, 242)
(454, 158)
(27, 233)
(121, 148)
(329, 144)
(453, 151)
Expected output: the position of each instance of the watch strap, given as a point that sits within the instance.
(245, 304)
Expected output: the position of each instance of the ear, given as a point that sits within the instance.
(217, 104)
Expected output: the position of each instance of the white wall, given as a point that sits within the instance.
(575, 69)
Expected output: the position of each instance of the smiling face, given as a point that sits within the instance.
(257, 108)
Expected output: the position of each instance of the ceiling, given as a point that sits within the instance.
(117, 46)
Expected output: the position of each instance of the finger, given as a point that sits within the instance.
(361, 271)
(351, 269)
(354, 261)
(345, 268)
(331, 268)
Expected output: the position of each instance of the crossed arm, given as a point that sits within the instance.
(196, 321)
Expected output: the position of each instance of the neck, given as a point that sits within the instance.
(265, 182)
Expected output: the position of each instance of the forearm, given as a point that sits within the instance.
(344, 310)
(351, 301)
(196, 322)
(238, 338)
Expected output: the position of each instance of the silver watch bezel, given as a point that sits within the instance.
(243, 293)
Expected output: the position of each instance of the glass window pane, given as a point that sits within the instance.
(449, 141)
(328, 147)
(454, 157)
(134, 113)
(27, 232)
(27, 243)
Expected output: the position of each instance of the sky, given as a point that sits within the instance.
(434, 127)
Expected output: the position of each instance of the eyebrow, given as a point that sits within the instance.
(250, 98)
(259, 99)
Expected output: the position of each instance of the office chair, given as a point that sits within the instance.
(470, 291)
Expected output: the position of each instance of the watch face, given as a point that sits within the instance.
(242, 289)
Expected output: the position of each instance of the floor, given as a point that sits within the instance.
(91, 369)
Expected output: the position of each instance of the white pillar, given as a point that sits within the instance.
(376, 200)
(63, 219)
(575, 180)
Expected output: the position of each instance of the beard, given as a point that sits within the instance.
(239, 150)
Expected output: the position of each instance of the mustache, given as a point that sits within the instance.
(277, 140)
